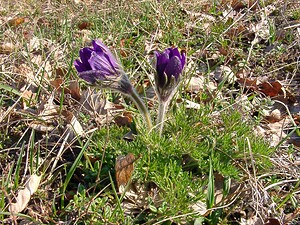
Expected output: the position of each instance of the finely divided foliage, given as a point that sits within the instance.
(149, 112)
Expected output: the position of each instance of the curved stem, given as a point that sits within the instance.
(141, 106)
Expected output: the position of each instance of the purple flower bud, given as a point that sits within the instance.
(169, 66)
(99, 66)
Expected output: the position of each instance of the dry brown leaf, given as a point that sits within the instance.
(123, 51)
(72, 89)
(124, 169)
(238, 5)
(224, 51)
(84, 25)
(297, 119)
(16, 21)
(235, 32)
(57, 83)
(124, 120)
(291, 216)
(271, 89)
(28, 95)
(24, 195)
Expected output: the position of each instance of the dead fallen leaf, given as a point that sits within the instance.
(99, 107)
(27, 96)
(16, 21)
(84, 25)
(271, 89)
(124, 169)
(57, 83)
(235, 32)
(27, 73)
(72, 89)
(124, 120)
(47, 112)
(24, 195)
(195, 84)
(223, 51)
(42, 21)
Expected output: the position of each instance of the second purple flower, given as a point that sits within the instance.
(169, 66)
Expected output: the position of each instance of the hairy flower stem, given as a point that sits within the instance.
(141, 106)
(163, 108)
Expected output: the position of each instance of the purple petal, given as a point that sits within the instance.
(174, 67)
(174, 52)
(100, 47)
(99, 62)
(83, 65)
(80, 67)
(85, 54)
(162, 62)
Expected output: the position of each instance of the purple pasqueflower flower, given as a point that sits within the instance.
(98, 66)
(169, 66)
